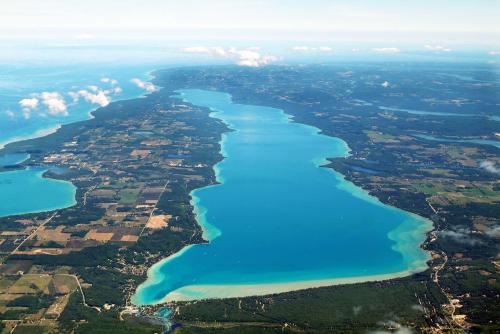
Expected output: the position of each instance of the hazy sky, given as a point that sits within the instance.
(432, 21)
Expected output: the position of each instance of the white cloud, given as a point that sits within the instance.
(212, 50)
(74, 96)
(219, 51)
(55, 103)
(401, 330)
(300, 48)
(27, 106)
(418, 307)
(346, 74)
(9, 114)
(29, 103)
(395, 327)
(489, 166)
(437, 48)
(386, 50)
(493, 232)
(95, 95)
(52, 100)
(244, 57)
(385, 84)
(494, 53)
(147, 86)
(26, 113)
(109, 80)
(460, 235)
(251, 58)
(312, 49)
(197, 49)
(98, 97)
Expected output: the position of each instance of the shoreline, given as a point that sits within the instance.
(37, 134)
(154, 275)
(219, 291)
(210, 232)
(148, 76)
(224, 291)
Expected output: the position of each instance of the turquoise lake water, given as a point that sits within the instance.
(12, 159)
(21, 190)
(26, 191)
(280, 222)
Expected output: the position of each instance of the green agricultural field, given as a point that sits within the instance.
(5, 283)
(30, 284)
(379, 137)
(428, 188)
(129, 196)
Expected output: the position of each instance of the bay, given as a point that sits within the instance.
(27, 191)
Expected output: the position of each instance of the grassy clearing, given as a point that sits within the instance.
(31, 284)
(129, 196)
(379, 137)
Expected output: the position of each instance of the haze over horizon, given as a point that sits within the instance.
(444, 21)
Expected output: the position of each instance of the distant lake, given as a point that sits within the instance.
(363, 170)
(278, 221)
(467, 141)
(146, 134)
(426, 113)
(437, 113)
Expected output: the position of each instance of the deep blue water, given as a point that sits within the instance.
(279, 218)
